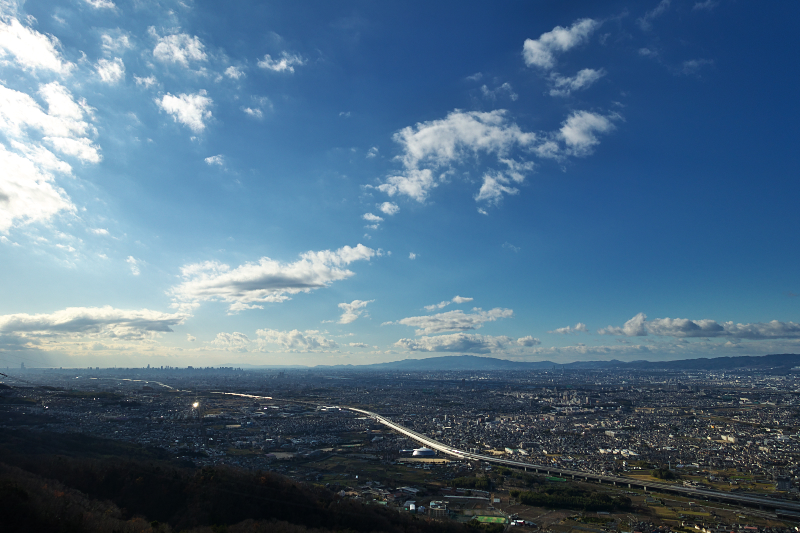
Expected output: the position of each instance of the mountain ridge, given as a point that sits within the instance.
(483, 363)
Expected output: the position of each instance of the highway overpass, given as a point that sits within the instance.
(760, 502)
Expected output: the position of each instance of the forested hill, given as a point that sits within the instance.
(78, 483)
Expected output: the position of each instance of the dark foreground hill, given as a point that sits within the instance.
(77, 483)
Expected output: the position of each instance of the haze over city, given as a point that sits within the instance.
(293, 183)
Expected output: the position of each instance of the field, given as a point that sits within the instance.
(337, 468)
(490, 519)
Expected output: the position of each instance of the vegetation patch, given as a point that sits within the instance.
(572, 498)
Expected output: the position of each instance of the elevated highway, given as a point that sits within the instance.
(759, 502)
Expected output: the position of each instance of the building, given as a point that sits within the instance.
(424, 452)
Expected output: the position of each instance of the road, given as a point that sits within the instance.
(759, 502)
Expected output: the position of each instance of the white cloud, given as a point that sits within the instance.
(580, 130)
(262, 103)
(231, 342)
(65, 117)
(528, 341)
(369, 217)
(91, 321)
(563, 86)
(178, 48)
(460, 137)
(389, 208)
(494, 185)
(683, 328)
(541, 52)
(351, 311)
(121, 42)
(286, 63)
(373, 152)
(43, 158)
(412, 255)
(454, 320)
(148, 82)
(635, 327)
(251, 284)
(441, 305)
(509, 246)
(101, 4)
(30, 49)
(27, 186)
(296, 341)
(234, 73)
(188, 109)
(111, 71)
(416, 184)
(190, 337)
(462, 342)
(769, 330)
(218, 160)
(135, 265)
(579, 327)
(27, 193)
(81, 148)
(646, 21)
(358, 345)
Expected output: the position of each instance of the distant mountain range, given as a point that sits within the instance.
(784, 361)
(472, 362)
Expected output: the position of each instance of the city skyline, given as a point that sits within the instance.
(276, 184)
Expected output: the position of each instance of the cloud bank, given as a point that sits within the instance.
(639, 326)
(454, 320)
(268, 280)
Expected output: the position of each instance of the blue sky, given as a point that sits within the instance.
(198, 183)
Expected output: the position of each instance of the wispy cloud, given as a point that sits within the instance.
(646, 21)
(111, 71)
(178, 48)
(351, 311)
(707, 5)
(564, 85)
(135, 265)
(441, 305)
(284, 63)
(542, 52)
(693, 66)
(235, 73)
(579, 327)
